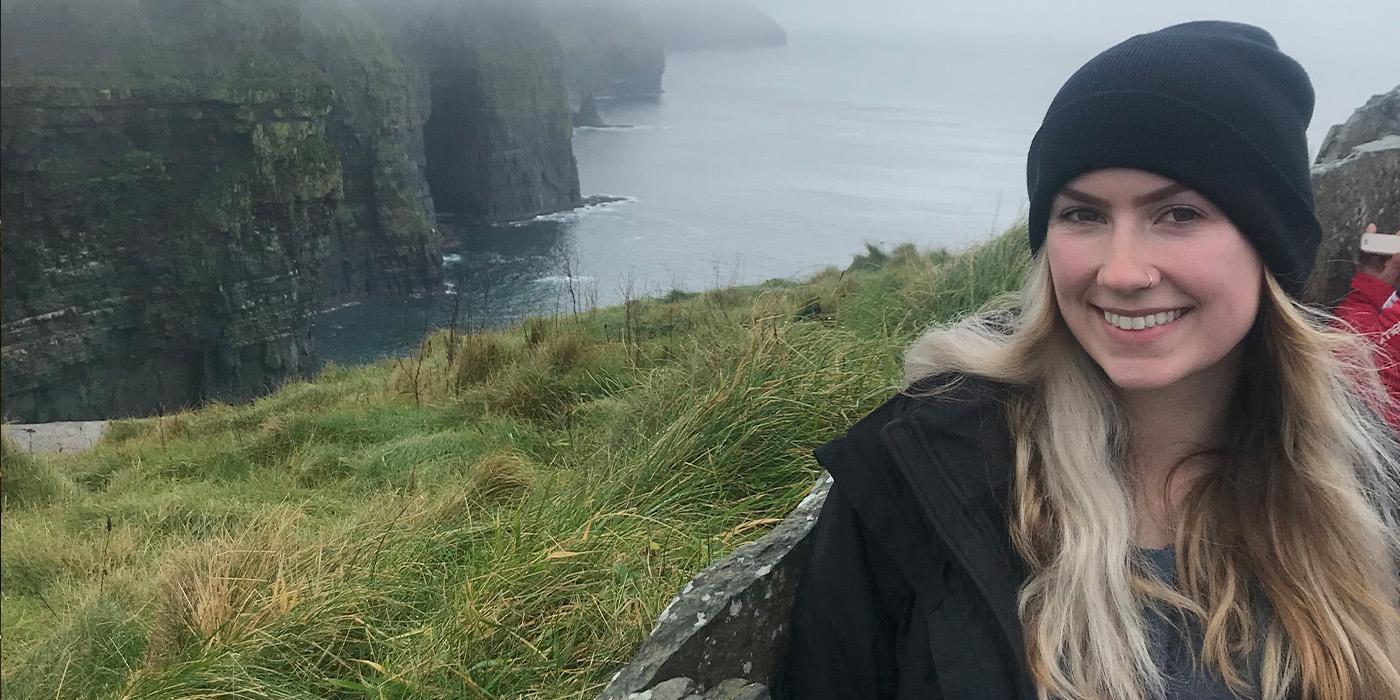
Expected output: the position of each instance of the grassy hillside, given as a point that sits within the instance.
(503, 515)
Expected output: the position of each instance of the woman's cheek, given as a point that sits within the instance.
(1069, 264)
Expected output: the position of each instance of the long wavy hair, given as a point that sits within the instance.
(1286, 554)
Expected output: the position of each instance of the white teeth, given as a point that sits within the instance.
(1137, 323)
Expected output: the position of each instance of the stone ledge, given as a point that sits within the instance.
(723, 636)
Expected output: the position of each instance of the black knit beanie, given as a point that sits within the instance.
(1213, 105)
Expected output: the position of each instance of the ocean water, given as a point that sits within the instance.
(753, 164)
(758, 164)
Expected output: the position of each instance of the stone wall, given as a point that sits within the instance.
(724, 634)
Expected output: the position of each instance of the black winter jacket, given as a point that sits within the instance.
(910, 588)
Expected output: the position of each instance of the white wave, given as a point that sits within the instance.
(452, 258)
(592, 203)
(564, 279)
(346, 305)
(625, 127)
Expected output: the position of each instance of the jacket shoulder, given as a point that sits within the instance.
(864, 467)
(937, 402)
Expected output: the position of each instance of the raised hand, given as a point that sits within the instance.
(1385, 267)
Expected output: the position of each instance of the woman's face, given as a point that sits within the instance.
(1151, 278)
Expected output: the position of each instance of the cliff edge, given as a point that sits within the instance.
(185, 185)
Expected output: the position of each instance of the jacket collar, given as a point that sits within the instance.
(956, 457)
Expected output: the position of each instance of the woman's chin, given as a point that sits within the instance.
(1142, 378)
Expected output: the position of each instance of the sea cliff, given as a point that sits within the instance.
(185, 186)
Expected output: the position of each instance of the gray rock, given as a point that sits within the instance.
(1374, 120)
(1356, 181)
(674, 689)
(587, 114)
(737, 689)
(727, 629)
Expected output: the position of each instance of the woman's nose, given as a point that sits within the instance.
(1125, 265)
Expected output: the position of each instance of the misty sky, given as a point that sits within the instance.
(1350, 48)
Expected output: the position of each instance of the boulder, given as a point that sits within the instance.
(1356, 181)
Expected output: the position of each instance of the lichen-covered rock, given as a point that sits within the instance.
(1356, 181)
(674, 689)
(736, 689)
(726, 630)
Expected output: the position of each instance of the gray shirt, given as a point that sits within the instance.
(1177, 650)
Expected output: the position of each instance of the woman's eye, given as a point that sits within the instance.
(1079, 216)
(1182, 215)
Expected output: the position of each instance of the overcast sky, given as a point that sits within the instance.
(1350, 48)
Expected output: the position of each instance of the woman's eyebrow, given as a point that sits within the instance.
(1163, 193)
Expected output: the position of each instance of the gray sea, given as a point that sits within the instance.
(758, 164)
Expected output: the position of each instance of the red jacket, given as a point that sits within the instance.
(1364, 310)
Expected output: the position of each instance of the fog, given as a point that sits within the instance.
(1350, 48)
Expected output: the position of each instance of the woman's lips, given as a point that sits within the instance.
(1140, 325)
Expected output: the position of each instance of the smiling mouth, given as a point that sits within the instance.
(1144, 321)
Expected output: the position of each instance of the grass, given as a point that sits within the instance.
(501, 515)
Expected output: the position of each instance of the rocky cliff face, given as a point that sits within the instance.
(617, 48)
(159, 247)
(1356, 181)
(185, 185)
(609, 48)
(499, 134)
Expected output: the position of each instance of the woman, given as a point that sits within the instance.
(1168, 478)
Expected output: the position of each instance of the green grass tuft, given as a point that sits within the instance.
(26, 481)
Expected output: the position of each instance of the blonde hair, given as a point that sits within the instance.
(1300, 522)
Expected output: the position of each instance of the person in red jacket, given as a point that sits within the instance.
(1370, 308)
